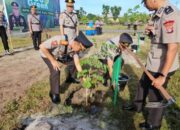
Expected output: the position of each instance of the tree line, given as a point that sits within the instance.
(111, 15)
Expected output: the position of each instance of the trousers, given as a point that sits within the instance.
(144, 90)
(36, 37)
(4, 37)
(54, 77)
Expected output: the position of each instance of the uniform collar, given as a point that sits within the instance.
(160, 11)
(69, 13)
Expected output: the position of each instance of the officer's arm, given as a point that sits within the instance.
(61, 22)
(77, 27)
(62, 29)
(77, 63)
(29, 24)
(110, 66)
(171, 54)
(77, 30)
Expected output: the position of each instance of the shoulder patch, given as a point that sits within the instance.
(169, 26)
(168, 10)
(54, 43)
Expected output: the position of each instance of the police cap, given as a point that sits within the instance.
(14, 4)
(70, 2)
(83, 40)
(125, 38)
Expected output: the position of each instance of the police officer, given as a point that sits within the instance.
(52, 50)
(3, 35)
(162, 62)
(69, 21)
(69, 27)
(35, 27)
(15, 19)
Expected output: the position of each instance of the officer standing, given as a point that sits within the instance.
(52, 52)
(15, 19)
(162, 61)
(69, 27)
(69, 21)
(3, 34)
(35, 27)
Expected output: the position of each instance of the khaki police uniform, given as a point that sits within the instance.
(166, 30)
(56, 50)
(34, 23)
(17, 20)
(69, 21)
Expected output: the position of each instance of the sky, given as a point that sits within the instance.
(95, 6)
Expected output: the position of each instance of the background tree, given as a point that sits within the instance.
(133, 15)
(115, 12)
(106, 10)
(92, 17)
(81, 12)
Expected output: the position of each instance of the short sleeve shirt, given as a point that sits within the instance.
(53, 46)
(34, 21)
(69, 22)
(166, 31)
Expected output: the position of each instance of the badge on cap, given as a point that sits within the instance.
(169, 26)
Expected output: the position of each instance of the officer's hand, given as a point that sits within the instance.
(149, 29)
(158, 82)
(56, 65)
(30, 32)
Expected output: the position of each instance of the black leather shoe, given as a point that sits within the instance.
(146, 126)
(130, 107)
(55, 98)
(143, 124)
(72, 80)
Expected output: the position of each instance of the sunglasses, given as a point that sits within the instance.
(70, 6)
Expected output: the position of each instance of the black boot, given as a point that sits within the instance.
(55, 98)
(72, 80)
(146, 126)
(129, 107)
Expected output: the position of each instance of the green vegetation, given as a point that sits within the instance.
(37, 100)
(133, 15)
(92, 72)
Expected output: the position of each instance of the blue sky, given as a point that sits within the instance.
(95, 6)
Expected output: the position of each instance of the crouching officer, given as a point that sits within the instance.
(53, 48)
(111, 49)
(162, 61)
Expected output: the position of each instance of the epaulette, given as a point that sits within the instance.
(168, 10)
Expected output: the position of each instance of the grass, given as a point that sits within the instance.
(25, 41)
(34, 101)
(37, 101)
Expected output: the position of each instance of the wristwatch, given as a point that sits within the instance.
(161, 74)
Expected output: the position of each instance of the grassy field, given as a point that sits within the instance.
(37, 100)
(24, 41)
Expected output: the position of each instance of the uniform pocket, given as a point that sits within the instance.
(156, 54)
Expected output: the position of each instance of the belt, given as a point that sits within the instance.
(36, 23)
(71, 27)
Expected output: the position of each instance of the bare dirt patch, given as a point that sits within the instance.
(18, 72)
